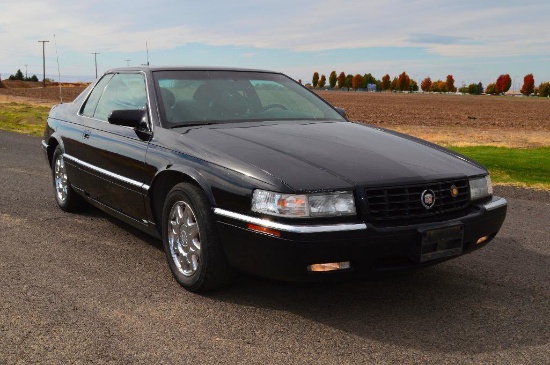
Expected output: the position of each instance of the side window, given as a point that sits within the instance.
(90, 105)
(124, 91)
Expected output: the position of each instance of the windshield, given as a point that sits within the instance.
(206, 97)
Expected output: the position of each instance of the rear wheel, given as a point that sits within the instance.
(67, 199)
(191, 244)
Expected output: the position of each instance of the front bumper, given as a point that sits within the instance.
(366, 247)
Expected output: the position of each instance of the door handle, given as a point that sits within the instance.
(86, 134)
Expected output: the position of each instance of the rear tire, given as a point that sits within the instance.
(193, 250)
(67, 199)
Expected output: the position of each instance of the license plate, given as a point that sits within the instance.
(441, 242)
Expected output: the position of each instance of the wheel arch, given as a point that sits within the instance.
(53, 142)
(166, 179)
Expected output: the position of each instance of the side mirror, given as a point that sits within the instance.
(133, 118)
(341, 111)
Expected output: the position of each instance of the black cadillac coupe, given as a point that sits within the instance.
(246, 170)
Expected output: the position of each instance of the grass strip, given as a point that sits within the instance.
(513, 166)
(23, 118)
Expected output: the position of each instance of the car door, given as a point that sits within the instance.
(112, 157)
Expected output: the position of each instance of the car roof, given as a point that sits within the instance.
(186, 68)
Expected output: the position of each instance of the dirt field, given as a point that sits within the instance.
(445, 119)
(453, 119)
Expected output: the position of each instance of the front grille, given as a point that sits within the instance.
(404, 202)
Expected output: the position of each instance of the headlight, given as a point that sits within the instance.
(480, 187)
(303, 205)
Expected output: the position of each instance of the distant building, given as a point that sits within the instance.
(371, 87)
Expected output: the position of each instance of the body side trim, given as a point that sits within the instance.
(288, 227)
(138, 184)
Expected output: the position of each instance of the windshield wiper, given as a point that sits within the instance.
(193, 124)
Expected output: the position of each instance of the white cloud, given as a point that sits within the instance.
(449, 28)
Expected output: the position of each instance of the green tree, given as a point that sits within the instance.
(18, 75)
(413, 86)
(33, 78)
(315, 79)
(322, 81)
(544, 89)
(491, 89)
(332, 79)
(394, 84)
(349, 79)
(367, 79)
(475, 89)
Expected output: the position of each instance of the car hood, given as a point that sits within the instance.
(330, 155)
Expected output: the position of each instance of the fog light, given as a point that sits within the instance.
(482, 239)
(329, 266)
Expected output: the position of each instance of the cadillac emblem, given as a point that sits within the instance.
(428, 199)
(454, 191)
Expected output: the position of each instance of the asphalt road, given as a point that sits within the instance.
(85, 288)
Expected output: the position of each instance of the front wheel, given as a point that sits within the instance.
(67, 199)
(192, 248)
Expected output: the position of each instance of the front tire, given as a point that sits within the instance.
(67, 199)
(190, 240)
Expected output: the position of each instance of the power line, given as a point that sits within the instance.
(43, 62)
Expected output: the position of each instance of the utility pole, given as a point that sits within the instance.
(95, 58)
(44, 62)
(127, 62)
(26, 71)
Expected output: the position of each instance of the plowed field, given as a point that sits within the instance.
(453, 119)
(446, 119)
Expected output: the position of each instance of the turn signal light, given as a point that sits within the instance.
(329, 266)
(482, 239)
(265, 230)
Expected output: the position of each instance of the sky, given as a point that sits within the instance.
(475, 41)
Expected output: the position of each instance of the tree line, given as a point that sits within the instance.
(404, 83)
(19, 76)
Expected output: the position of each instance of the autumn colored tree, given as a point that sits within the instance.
(426, 84)
(386, 83)
(491, 89)
(528, 85)
(341, 80)
(413, 86)
(439, 86)
(322, 81)
(332, 78)
(356, 82)
(403, 82)
(450, 84)
(315, 79)
(503, 83)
